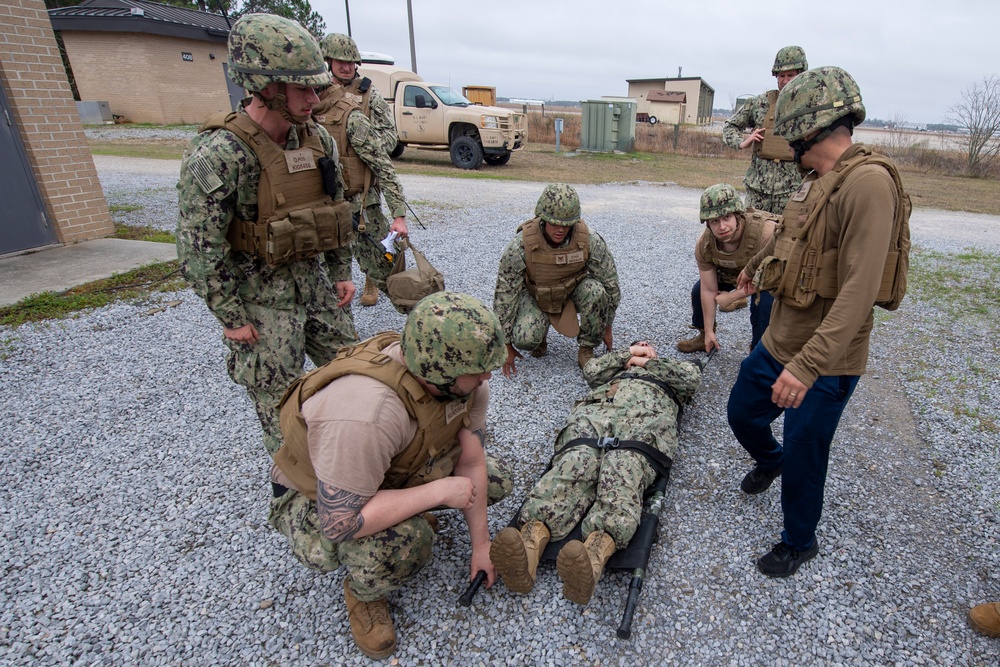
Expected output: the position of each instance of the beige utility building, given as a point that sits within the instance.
(685, 100)
(151, 63)
(49, 193)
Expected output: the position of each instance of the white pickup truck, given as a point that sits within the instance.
(432, 115)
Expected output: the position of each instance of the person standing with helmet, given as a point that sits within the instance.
(393, 427)
(772, 175)
(844, 229)
(617, 440)
(261, 198)
(733, 234)
(356, 115)
(554, 268)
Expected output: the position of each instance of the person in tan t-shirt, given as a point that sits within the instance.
(394, 427)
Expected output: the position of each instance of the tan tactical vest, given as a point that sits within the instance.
(553, 273)
(772, 147)
(296, 219)
(338, 104)
(431, 454)
(800, 270)
(730, 264)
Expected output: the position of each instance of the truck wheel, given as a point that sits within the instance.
(397, 151)
(652, 120)
(497, 160)
(466, 153)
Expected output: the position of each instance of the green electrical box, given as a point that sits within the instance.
(608, 125)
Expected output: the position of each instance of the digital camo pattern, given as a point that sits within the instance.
(814, 99)
(614, 481)
(769, 183)
(281, 48)
(789, 58)
(719, 200)
(379, 563)
(293, 306)
(337, 46)
(449, 334)
(368, 139)
(596, 297)
(559, 204)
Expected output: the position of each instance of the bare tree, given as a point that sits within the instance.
(979, 115)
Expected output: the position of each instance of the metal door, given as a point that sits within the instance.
(23, 222)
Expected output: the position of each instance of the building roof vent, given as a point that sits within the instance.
(137, 11)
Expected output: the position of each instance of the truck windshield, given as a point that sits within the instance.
(450, 97)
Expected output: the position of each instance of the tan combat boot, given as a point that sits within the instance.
(696, 344)
(370, 296)
(543, 347)
(580, 565)
(371, 625)
(515, 554)
(985, 619)
(735, 305)
(584, 355)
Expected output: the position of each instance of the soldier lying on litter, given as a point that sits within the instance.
(617, 441)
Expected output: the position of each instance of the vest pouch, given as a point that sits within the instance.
(550, 298)
(280, 242)
(408, 286)
(800, 288)
(768, 273)
(306, 240)
(334, 227)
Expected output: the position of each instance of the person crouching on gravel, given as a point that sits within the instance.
(733, 234)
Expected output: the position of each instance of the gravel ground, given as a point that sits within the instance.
(135, 526)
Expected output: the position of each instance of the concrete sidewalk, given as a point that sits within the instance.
(59, 268)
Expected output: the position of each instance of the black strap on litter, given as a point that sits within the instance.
(661, 462)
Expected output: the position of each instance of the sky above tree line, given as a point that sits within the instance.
(912, 59)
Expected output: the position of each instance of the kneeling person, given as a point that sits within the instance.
(634, 403)
(733, 235)
(391, 428)
(553, 269)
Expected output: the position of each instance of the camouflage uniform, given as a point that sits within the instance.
(379, 563)
(769, 183)
(596, 297)
(370, 137)
(293, 306)
(611, 483)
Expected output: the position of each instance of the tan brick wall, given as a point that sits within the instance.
(144, 78)
(46, 115)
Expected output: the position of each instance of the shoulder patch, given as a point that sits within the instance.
(206, 178)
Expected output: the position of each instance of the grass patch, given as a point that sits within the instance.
(954, 283)
(157, 149)
(124, 208)
(128, 286)
(143, 233)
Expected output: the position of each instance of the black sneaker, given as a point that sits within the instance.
(783, 560)
(759, 480)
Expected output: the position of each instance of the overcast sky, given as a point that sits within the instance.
(912, 59)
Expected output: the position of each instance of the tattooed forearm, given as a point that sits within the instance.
(481, 436)
(339, 512)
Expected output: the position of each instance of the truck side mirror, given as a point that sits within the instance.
(421, 102)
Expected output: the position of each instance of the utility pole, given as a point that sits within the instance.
(413, 48)
(347, 8)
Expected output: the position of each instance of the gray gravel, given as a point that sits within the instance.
(135, 525)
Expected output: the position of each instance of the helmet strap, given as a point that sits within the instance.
(279, 103)
(802, 146)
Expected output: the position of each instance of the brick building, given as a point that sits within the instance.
(152, 63)
(49, 193)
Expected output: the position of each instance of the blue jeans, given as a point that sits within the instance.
(809, 430)
(760, 313)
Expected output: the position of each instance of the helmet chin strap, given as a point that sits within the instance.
(279, 103)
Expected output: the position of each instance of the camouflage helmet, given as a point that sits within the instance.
(790, 58)
(337, 46)
(719, 200)
(449, 334)
(814, 100)
(559, 204)
(264, 49)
